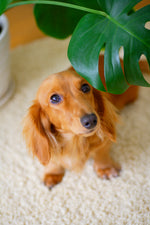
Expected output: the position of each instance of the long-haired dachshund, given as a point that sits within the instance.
(70, 122)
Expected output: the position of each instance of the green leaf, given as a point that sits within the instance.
(3, 5)
(119, 28)
(60, 22)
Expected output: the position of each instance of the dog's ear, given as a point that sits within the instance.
(36, 133)
(107, 113)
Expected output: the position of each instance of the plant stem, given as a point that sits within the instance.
(63, 4)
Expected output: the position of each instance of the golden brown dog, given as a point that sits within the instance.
(70, 122)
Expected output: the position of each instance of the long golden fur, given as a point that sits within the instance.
(56, 134)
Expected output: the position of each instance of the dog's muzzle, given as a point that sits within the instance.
(89, 121)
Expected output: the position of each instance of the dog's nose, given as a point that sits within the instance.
(89, 121)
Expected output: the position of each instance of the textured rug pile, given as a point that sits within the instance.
(81, 199)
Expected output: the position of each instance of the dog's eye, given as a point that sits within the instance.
(55, 99)
(85, 88)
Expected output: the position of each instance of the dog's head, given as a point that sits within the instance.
(66, 103)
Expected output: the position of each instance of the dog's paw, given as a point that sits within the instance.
(108, 173)
(50, 180)
(111, 169)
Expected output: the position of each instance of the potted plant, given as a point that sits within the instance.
(6, 81)
(95, 25)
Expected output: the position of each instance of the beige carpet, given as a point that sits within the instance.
(80, 198)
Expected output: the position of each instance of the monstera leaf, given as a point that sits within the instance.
(116, 28)
(111, 24)
(60, 22)
(4, 4)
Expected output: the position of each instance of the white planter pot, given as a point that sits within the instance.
(6, 82)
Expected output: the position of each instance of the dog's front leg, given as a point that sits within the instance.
(104, 165)
(53, 174)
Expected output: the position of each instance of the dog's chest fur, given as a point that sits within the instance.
(76, 149)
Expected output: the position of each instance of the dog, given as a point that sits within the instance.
(70, 122)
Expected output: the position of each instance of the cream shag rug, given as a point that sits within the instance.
(80, 198)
